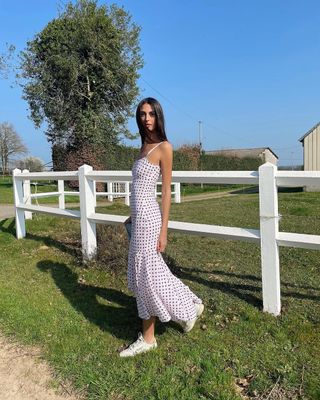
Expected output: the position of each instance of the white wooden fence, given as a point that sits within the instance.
(115, 190)
(268, 236)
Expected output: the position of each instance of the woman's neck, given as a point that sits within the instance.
(151, 139)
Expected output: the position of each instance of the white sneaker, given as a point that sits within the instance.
(188, 325)
(137, 347)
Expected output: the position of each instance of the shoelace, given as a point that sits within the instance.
(135, 344)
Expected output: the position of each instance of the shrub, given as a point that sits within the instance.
(90, 155)
(113, 245)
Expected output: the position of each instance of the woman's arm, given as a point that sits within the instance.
(166, 172)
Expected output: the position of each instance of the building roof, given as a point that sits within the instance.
(309, 131)
(256, 151)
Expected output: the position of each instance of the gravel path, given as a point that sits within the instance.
(205, 196)
(6, 211)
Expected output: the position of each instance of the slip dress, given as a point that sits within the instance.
(158, 292)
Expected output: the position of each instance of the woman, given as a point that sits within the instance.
(158, 292)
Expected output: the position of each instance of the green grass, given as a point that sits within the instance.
(6, 192)
(81, 316)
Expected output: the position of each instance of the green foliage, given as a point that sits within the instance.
(80, 74)
(223, 163)
(121, 157)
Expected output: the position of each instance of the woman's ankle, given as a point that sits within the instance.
(149, 340)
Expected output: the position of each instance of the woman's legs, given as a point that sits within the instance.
(148, 329)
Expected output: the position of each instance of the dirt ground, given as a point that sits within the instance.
(24, 376)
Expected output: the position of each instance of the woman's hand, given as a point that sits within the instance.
(128, 220)
(162, 241)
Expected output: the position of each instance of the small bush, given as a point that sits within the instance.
(113, 246)
(89, 155)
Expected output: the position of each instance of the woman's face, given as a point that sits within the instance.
(148, 118)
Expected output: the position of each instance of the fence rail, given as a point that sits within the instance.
(268, 236)
(115, 190)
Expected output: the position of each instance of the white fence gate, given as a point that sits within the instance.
(268, 236)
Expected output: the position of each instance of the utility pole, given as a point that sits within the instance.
(200, 147)
(200, 134)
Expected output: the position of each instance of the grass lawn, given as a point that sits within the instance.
(82, 316)
(6, 192)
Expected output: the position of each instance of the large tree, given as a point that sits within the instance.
(10, 145)
(80, 74)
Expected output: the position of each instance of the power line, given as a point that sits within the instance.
(170, 101)
(205, 123)
(195, 120)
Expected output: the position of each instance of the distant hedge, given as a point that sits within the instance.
(122, 157)
(223, 163)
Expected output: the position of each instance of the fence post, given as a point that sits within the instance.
(109, 189)
(87, 207)
(127, 193)
(27, 195)
(18, 199)
(95, 193)
(269, 228)
(177, 197)
(62, 203)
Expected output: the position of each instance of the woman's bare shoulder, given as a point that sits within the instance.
(166, 146)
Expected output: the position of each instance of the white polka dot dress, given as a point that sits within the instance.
(158, 292)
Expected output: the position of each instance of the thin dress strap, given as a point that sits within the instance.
(153, 149)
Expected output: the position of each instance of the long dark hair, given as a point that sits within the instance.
(156, 106)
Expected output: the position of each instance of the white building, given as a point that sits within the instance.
(311, 151)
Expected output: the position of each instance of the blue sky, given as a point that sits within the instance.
(249, 70)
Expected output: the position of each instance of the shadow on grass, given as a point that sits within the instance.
(249, 277)
(247, 190)
(246, 291)
(255, 189)
(110, 309)
(120, 321)
(6, 184)
(249, 293)
(72, 247)
(11, 229)
(120, 317)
